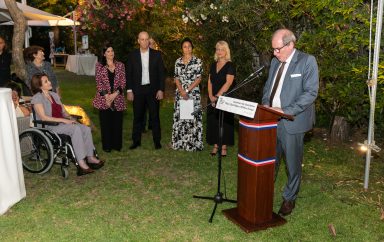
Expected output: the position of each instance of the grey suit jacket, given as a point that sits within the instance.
(299, 91)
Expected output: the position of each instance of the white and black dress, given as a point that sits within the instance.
(187, 134)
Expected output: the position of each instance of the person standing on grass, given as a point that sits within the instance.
(187, 134)
(291, 88)
(152, 45)
(221, 79)
(145, 75)
(109, 99)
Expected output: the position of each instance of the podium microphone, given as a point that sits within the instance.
(257, 72)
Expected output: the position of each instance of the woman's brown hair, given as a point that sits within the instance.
(36, 82)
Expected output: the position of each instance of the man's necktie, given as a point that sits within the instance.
(278, 77)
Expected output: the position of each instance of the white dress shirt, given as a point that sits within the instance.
(276, 99)
(144, 67)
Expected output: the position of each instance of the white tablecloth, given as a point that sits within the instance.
(12, 187)
(81, 64)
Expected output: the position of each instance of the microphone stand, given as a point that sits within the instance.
(218, 198)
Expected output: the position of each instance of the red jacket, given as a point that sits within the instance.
(103, 86)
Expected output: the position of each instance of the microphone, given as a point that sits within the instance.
(257, 72)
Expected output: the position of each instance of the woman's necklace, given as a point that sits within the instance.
(47, 96)
(186, 59)
(111, 66)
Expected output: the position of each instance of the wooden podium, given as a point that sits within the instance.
(255, 176)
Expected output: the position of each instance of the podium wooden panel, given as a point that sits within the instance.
(256, 165)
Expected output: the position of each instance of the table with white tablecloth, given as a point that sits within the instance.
(81, 64)
(12, 187)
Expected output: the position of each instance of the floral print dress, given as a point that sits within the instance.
(187, 134)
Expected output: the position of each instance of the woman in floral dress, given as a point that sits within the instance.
(187, 134)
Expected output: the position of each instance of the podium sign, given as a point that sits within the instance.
(237, 106)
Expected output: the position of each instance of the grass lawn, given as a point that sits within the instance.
(146, 194)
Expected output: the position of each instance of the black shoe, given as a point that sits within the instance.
(96, 166)
(157, 146)
(134, 146)
(286, 207)
(82, 172)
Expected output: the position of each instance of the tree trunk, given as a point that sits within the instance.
(18, 38)
(340, 130)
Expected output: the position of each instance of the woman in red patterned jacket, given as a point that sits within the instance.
(109, 99)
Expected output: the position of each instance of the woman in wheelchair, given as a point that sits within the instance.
(48, 107)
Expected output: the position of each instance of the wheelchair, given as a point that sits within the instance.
(41, 148)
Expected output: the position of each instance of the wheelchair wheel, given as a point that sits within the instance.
(36, 151)
(64, 172)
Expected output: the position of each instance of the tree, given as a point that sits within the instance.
(335, 31)
(18, 38)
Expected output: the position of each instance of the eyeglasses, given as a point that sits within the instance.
(277, 50)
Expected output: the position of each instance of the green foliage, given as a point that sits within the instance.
(58, 7)
(119, 22)
(336, 32)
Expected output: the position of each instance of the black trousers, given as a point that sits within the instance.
(111, 125)
(145, 97)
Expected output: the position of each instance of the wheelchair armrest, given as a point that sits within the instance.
(49, 123)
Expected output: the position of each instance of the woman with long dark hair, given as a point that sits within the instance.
(109, 99)
(187, 134)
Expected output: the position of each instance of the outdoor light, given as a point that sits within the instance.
(373, 146)
(77, 110)
(363, 147)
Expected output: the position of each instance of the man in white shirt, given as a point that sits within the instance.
(145, 75)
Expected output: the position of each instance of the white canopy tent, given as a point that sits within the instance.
(30, 13)
(61, 22)
(35, 17)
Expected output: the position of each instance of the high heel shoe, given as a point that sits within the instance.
(96, 166)
(82, 171)
(214, 151)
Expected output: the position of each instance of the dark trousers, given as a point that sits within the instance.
(145, 120)
(143, 98)
(111, 125)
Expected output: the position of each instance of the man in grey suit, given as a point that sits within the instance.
(291, 88)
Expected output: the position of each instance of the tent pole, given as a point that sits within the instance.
(74, 32)
(371, 141)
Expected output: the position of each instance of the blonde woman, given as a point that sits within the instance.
(221, 77)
